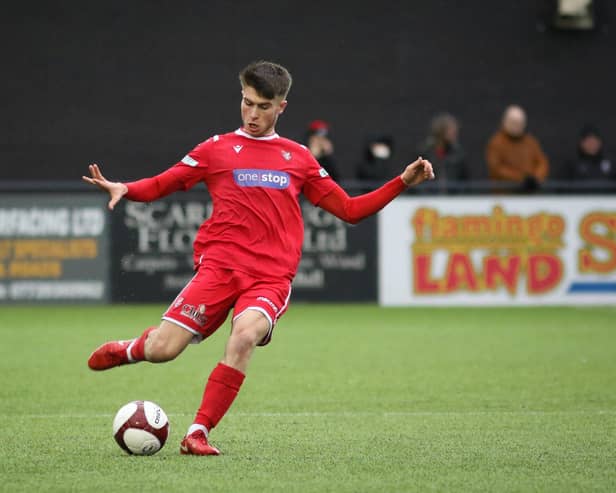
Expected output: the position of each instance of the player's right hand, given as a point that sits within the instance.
(116, 190)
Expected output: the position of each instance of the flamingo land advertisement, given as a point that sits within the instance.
(498, 251)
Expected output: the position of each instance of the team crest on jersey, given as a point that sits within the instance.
(287, 155)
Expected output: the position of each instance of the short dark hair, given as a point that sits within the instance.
(269, 79)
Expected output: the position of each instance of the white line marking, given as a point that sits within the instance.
(589, 412)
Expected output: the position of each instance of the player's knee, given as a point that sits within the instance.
(244, 338)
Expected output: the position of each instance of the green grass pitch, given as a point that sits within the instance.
(347, 398)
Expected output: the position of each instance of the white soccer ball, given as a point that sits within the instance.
(141, 428)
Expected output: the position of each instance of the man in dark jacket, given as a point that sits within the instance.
(374, 168)
(591, 162)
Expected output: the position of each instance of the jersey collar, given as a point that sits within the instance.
(239, 131)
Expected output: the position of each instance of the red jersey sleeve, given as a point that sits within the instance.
(354, 209)
(318, 182)
(182, 176)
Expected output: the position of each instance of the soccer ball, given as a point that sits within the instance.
(141, 428)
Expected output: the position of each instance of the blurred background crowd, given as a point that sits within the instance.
(514, 97)
(514, 158)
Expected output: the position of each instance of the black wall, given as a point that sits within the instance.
(134, 85)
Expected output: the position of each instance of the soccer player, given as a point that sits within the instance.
(247, 253)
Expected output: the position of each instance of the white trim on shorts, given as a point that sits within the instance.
(286, 303)
(197, 335)
(272, 323)
(258, 309)
(181, 291)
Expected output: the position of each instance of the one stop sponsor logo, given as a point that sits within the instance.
(261, 178)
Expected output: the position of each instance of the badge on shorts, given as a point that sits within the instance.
(195, 313)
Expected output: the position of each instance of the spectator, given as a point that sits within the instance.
(321, 146)
(444, 151)
(377, 156)
(591, 162)
(514, 155)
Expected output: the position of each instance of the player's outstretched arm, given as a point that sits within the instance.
(116, 190)
(178, 177)
(354, 209)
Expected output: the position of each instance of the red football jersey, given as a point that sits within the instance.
(256, 225)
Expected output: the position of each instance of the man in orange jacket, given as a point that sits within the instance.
(514, 155)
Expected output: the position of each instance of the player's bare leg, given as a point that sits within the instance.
(156, 344)
(166, 343)
(248, 330)
(225, 381)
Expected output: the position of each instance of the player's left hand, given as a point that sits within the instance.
(417, 171)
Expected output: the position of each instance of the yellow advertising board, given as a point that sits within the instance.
(53, 247)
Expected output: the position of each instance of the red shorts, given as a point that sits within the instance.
(204, 303)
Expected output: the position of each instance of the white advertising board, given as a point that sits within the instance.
(498, 251)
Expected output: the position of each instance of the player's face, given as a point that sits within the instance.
(259, 115)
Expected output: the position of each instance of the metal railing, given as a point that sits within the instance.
(471, 187)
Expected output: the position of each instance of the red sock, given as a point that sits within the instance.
(220, 391)
(137, 347)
